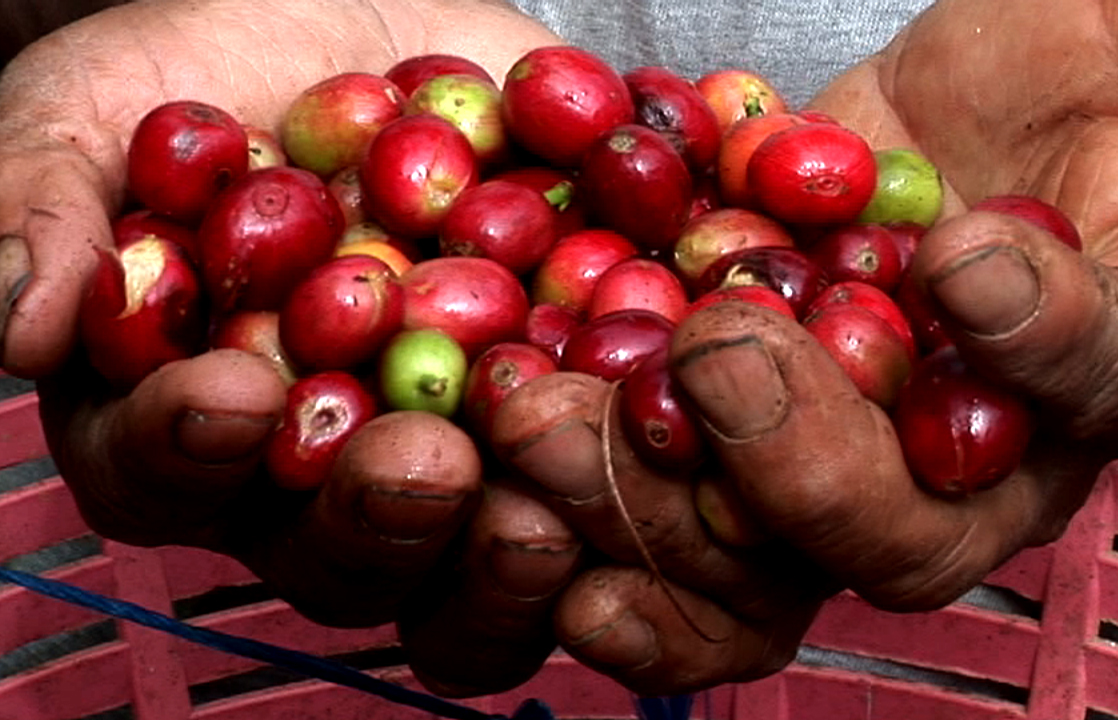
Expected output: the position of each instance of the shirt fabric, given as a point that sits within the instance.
(798, 45)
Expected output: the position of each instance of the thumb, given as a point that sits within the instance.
(53, 213)
(1029, 311)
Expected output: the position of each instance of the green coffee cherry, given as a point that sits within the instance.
(909, 189)
(423, 369)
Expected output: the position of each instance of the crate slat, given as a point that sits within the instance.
(1026, 573)
(158, 678)
(968, 640)
(81, 684)
(277, 623)
(25, 616)
(191, 571)
(38, 516)
(21, 434)
(1099, 673)
(821, 693)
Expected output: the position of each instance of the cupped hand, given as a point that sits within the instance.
(826, 500)
(177, 459)
(671, 607)
(1000, 107)
(69, 102)
(179, 463)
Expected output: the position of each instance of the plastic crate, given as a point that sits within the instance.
(1033, 642)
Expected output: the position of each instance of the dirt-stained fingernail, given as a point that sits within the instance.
(566, 462)
(627, 642)
(991, 292)
(221, 439)
(409, 516)
(15, 276)
(532, 571)
(737, 386)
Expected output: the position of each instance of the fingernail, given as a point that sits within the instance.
(737, 386)
(217, 439)
(627, 642)
(567, 462)
(531, 572)
(15, 275)
(991, 292)
(409, 516)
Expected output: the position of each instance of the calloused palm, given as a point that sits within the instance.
(69, 103)
(1005, 97)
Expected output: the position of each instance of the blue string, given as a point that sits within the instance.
(303, 663)
(670, 707)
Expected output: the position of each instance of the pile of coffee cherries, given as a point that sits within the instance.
(429, 240)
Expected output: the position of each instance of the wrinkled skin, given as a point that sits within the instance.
(177, 459)
(1016, 110)
(816, 468)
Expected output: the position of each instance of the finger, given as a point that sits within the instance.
(487, 628)
(552, 431)
(162, 464)
(724, 514)
(401, 491)
(1031, 312)
(53, 214)
(15, 275)
(822, 468)
(618, 621)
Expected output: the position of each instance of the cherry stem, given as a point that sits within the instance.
(560, 195)
(433, 385)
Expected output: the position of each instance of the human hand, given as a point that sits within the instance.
(176, 460)
(1020, 306)
(399, 527)
(817, 468)
(669, 608)
(64, 126)
(404, 527)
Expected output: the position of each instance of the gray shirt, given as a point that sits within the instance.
(799, 45)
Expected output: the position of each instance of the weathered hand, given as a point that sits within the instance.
(670, 609)
(1000, 107)
(176, 460)
(65, 124)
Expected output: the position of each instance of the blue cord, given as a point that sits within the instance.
(670, 707)
(303, 663)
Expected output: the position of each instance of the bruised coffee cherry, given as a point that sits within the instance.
(655, 417)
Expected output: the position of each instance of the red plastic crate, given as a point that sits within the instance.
(1032, 644)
